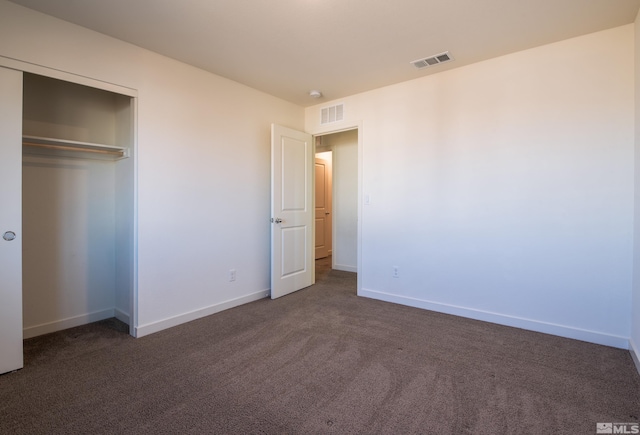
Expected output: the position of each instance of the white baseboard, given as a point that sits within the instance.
(121, 315)
(502, 319)
(70, 322)
(635, 355)
(170, 322)
(345, 268)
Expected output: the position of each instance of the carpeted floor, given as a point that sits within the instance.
(320, 360)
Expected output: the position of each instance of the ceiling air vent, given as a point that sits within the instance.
(332, 114)
(432, 60)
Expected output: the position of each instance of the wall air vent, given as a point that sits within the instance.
(432, 60)
(332, 114)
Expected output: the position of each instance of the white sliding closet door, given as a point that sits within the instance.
(10, 220)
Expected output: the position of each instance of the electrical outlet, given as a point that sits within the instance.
(396, 272)
(232, 275)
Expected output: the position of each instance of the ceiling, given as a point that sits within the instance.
(341, 47)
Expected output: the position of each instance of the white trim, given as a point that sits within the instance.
(360, 199)
(121, 315)
(70, 322)
(133, 296)
(170, 322)
(635, 355)
(345, 268)
(33, 68)
(502, 319)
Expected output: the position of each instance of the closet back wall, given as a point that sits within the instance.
(68, 242)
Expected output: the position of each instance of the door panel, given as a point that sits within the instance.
(293, 246)
(294, 155)
(292, 265)
(10, 220)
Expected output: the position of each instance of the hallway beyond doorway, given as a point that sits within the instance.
(323, 267)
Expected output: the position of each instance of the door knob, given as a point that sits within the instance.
(9, 236)
(278, 220)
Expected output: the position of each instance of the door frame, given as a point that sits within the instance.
(330, 195)
(331, 129)
(32, 68)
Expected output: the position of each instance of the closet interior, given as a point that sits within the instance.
(77, 205)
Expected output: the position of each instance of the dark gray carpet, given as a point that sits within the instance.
(321, 360)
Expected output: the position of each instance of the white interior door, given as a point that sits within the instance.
(323, 208)
(292, 211)
(10, 220)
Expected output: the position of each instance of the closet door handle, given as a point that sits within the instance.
(9, 236)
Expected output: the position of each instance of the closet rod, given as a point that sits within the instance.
(72, 148)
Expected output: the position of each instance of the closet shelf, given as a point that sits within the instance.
(48, 146)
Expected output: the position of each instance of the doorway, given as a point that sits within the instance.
(323, 204)
(341, 149)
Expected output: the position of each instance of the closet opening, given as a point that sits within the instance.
(77, 205)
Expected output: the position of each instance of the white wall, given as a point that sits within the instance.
(203, 166)
(68, 243)
(635, 307)
(503, 190)
(325, 155)
(345, 198)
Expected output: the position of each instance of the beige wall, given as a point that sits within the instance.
(503, 190)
